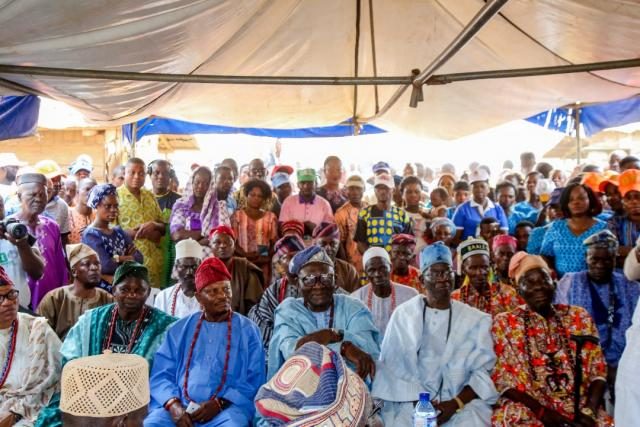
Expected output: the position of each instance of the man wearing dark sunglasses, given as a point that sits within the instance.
(339, 322)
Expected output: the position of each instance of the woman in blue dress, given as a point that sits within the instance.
(562, 245)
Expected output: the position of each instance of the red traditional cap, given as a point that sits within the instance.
(282, 168)
(294, 226)
(505, 240)
(224, 229)
(403, 239)
(5, 280)
(212, 270)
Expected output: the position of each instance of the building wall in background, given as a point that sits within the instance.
(64, 146)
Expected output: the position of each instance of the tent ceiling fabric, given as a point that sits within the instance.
(317, 38)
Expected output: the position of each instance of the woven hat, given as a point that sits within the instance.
(108, 385)
(314, 387)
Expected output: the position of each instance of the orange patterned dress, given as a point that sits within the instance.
(412, 279)
(536, 355)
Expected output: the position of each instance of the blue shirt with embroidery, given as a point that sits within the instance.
(567, 248)
(468, 217)
(610, 305)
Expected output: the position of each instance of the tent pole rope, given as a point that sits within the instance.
(373, 55)
(356, 54)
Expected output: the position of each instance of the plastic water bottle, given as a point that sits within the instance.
(425, 414)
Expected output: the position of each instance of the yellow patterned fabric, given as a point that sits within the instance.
(133, 213)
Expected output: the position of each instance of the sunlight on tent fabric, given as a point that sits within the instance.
(58, 115)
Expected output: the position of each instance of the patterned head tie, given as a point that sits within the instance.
(98, 193)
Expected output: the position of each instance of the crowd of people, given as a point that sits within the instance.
(273, 296)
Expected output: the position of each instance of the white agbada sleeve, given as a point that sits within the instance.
(632, 266)
(627, 410)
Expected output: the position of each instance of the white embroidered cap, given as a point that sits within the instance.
(188, 248)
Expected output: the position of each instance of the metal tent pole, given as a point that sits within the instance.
(578, 141)
(436, 79)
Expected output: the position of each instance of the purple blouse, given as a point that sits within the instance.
(55, 274)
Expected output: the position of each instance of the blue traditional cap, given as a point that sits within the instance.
(307, 256)
(436, 253)
(437, 222)
(602, 239)
(279, 179)
(381, 167)
(554, 199)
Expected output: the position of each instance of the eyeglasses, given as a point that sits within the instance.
(435, 275)
(12, 295)
(312, 280)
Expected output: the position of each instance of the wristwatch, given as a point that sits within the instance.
(339, 333)
(116, 258)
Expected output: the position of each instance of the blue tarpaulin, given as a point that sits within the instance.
(159, 125)
(18, 116)
(593, 118)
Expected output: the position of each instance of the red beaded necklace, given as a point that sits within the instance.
(13, 334)
(174, 300)
(223, 379)
(483, 302)
(370, 298)
(136, 330)
(283, 288)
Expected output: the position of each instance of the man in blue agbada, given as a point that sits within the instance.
(608, 296)
(339, 322)
(211, 364)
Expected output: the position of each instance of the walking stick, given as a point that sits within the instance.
(580, 340)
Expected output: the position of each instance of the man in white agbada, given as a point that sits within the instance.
(30, 357)
(179, 300)
(627, 410)
(440, 346)
(381, 295)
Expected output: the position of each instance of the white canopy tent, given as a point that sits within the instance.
(317, 38)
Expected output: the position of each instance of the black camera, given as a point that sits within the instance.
(14, 228)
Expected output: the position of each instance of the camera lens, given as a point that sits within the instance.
(17, 230)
